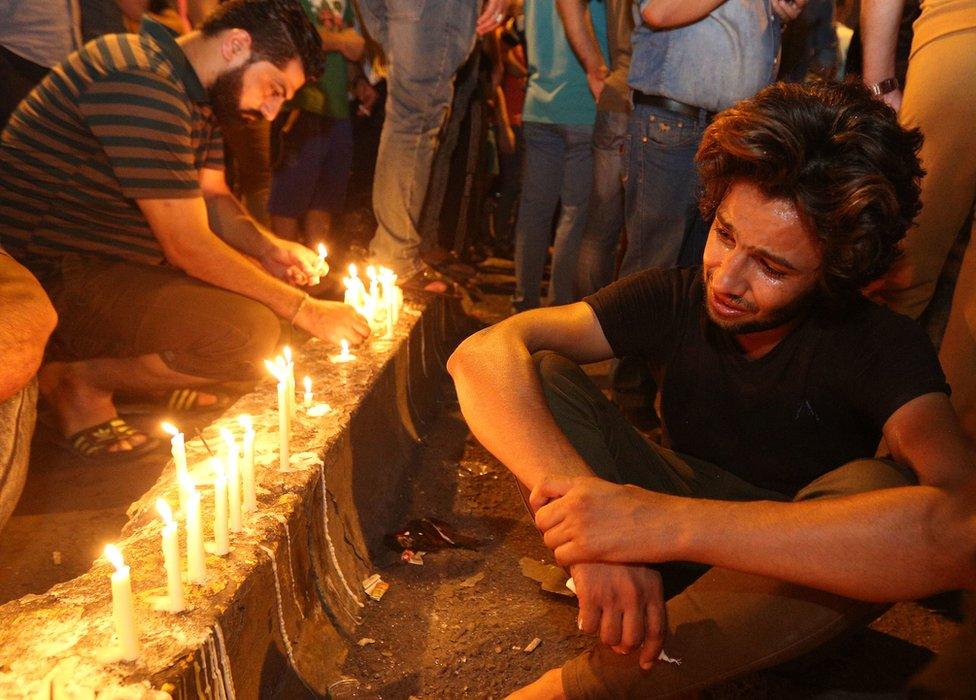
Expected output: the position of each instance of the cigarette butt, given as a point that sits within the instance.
(531, 646)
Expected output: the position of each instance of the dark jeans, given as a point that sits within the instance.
(116, 309)
(18, 76)
(726, 623)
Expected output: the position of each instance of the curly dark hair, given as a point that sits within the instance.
(839, 155)
(280, 31)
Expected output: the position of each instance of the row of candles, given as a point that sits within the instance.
(235, 487)
(235, 495)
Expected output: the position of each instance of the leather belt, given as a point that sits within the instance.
(667, 103)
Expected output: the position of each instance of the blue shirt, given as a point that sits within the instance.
(558, 92)
(725, 57)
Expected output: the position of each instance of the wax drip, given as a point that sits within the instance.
(291, 566)
(215, 671)
(281, 612)
(328, 539)
(225, 662)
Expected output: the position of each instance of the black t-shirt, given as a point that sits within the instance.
(817, 400)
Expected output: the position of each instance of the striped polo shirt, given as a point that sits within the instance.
(124, 118)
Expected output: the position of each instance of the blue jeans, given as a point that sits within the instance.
(605, 215)
(558, 168)
(426, 42)
(660, 186)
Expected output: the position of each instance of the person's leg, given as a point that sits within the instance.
(958, 350)
(574, 197)
(605, 213)
(303, 143)
(426, 41)
(143, 329)
(728, 623)
(938, 100)
(541, 178)
(249, 146)
(329, 198)
(509, 187)
(660, 190)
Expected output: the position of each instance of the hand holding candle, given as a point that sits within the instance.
(171, 557)
(323, 265)
(123, 608)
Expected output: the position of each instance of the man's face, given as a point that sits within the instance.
(761, 265)
(255, 90)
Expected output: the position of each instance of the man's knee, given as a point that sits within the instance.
(232, 346)
(858, 476)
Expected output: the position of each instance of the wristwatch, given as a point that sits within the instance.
(883, 87)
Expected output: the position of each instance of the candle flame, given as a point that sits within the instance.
(287, 353)
(323, 251)
(162, 507)
(171, 429)
(274, 369)
(114, 555)
(187, 481)
(308, 384)
(353, 272)
(246, 422)
(371, 272)
(344, 344)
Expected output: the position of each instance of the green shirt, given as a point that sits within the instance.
(124, 118)
(328, 96)
(558, 92)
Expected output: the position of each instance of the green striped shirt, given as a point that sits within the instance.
(124, 118)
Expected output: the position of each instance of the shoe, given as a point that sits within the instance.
(94, 443)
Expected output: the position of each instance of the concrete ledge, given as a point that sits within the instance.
(280, 611)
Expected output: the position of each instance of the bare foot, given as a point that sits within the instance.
(548, 687)
(437, 287)
(77, 403)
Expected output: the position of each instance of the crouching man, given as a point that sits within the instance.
(779, 381)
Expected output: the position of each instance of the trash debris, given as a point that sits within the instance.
(552, 578)
(428, 534)
(667, 659)
(304, 460)
(365, 641)
(571, 584)
(411, 557)
(375, 587)
(471, 580)
(531, 646)
(56, 558)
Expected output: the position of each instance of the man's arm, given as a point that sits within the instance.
(882, 545)
(500, 394)
(662, 14)
(879, 37)
(578, 24)
(27, 320)
(346, 41)
(228, 218)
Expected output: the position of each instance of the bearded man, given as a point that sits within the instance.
(779, 381)
(112, 193)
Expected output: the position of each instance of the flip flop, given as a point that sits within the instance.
(177, 401)
(93, 443)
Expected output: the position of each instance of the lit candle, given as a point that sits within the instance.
(344, 354)
(233, 480)
(123, 608)
(247, 465)
(307, 382)
(196, 564)
(284, 425)
(323, 266)
(221, 542)
(171, 557)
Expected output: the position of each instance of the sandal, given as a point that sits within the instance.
(428, 276)
(93, 443)
(177, 401)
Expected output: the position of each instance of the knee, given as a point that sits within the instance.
(259, 331)
(859, 476)
(558, 374)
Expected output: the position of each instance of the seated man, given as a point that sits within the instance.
(779, 381)
(25, 325)
(112, 193)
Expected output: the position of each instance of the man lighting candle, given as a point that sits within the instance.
(161, 280)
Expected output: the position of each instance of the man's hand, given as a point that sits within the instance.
(788, 10)
(493, 14)
(332, 321)
(586, 519)
(893, 99)
(624, 604)
(294, 263)
(597, 79)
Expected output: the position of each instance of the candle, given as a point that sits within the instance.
(171, 557)
(196, 564)
(233, 480)
(323, 254)
(123, 608)
(221, 543)
(247, 465)
(290, 381)
(307, 382)
(344, 354)
(284, 426)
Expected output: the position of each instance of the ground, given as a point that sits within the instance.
(456, 626)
